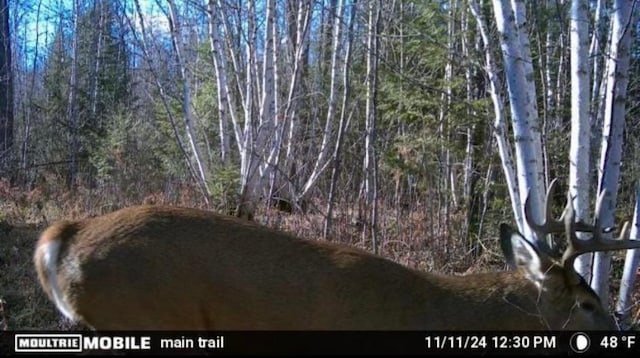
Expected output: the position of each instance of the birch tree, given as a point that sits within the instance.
(474, 132)
(320, 164)
(248, 162)
(222, 85)
(500, 121)
(624, 304)
(148, 47)
(519, 80)
(298, 51)
(240, 46)
(342, 126)
(98, 47)
(251, 75)
(370, 157)
(72, 114)
(595, 53)
(579, 152)
(522, 102)
(177, 39)
(519, 75)
(610, 161)
(448, 172)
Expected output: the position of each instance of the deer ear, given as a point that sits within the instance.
(520, 253)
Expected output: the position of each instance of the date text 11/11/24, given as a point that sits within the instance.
(472, 342)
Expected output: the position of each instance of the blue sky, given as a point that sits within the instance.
(37, 21)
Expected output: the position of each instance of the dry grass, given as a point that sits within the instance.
(25, 305)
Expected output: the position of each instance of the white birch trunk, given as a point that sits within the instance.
(220, 68)
(522, 100)
(596, 56)
(337, 153)
(72, 115)
(248, 162)
(97, 63)
(266, 128)
(370, 157)
(611, 147)
(273, 160)
(625, 303)
(469, 151)
(499, 124)
(549, 88)
(221, 73)
(178, 43)
(267, 107)
(298, 44)
(579, 152)
(322, 162)
(448, 173)
(519, 10)
(162, 93)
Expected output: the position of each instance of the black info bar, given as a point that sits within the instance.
(320, 343)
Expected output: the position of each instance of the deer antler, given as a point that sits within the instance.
(597, 242)
(568, 224)
(551, 225)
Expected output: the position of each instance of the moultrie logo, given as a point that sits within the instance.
(76, 343)
(38, 343)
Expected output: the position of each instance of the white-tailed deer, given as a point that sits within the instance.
(157, 267)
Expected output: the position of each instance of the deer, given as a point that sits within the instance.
(172, 268)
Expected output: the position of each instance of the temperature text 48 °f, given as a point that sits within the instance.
(613, 342)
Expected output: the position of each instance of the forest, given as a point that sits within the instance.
(410, 129)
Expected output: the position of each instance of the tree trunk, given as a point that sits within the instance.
(220, 68)
(499, 124)
(321, 162)
(627, 283)
(579, 152)
(72, 115)
(524, 113)
(192, 133)
(146, 55)
(370, 157)
(612, 136)
(337, 153)
(6, 88)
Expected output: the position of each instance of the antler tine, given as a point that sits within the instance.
(597, 243)
(550, 225)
